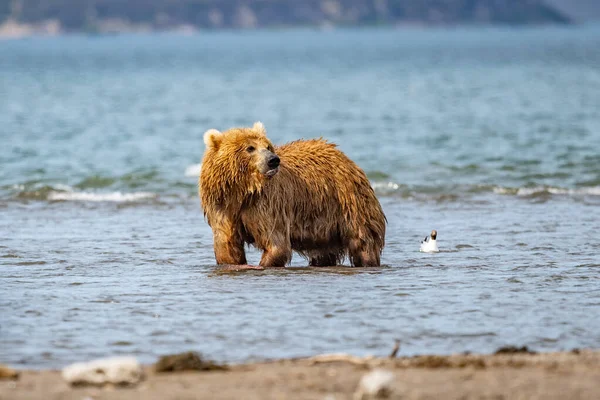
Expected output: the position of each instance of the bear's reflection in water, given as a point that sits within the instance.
(294, 270)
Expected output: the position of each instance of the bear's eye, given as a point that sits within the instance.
(250, 149)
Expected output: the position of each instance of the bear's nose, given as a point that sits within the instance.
(273, 161)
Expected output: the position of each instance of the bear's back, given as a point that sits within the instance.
(324, 171)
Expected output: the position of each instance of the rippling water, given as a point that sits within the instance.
(490, 136)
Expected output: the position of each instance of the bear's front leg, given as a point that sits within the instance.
(229, 249)
(228, 242)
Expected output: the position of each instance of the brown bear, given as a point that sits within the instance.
(305, 196)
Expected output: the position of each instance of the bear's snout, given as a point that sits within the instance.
(273, 161)
(269, 163)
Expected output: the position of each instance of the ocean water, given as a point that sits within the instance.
(490, 136)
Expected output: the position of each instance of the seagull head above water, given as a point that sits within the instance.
(429, 244)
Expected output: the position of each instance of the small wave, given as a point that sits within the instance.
(193, 170)
(38, 191)
(100, 197)
(96, 182)
(62, 192)
(451, 193)
(542, 190)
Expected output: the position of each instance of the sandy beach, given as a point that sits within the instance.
(563, 375)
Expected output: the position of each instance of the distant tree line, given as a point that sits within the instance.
(88, 15)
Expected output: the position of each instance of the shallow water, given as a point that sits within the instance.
(489, 136)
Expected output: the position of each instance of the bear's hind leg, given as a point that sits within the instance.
(364, 255)
(324, 260)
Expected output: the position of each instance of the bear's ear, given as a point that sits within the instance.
(212, 138)
(258, 127)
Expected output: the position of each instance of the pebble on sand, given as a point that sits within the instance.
(376, 384)
(189, 361)
(114, 370)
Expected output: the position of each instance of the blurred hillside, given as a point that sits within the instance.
(55, 16)
(577, 10)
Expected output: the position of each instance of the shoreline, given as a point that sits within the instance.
(515, 373)
(12, 30)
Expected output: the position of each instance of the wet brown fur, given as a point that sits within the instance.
(319, 204)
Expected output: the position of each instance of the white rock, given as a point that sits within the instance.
(115, 370)
(375, 384)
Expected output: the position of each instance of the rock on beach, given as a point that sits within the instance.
(114, 370)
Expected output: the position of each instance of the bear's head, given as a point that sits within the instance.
(236, 163)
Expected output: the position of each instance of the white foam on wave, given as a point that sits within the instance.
(588, 191)
(98, 197)
(193, 170)
(385, 187)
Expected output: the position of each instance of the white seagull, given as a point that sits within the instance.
(429, 244)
